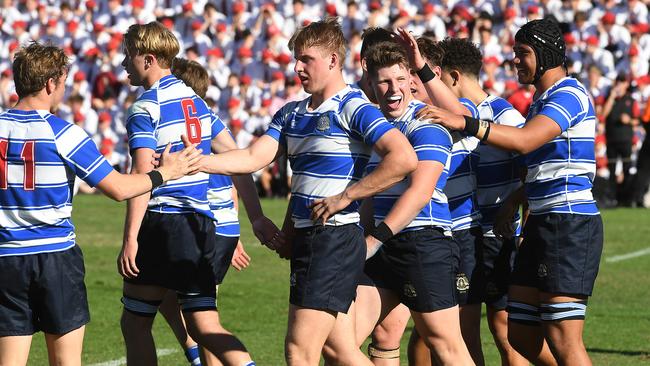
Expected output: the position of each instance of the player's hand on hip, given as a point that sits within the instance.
(372, 246)
(284, 249)
(324, 208)
(442, 117)
(240, 259)
(126, 265)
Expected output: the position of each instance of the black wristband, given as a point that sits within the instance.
(426, 74)
(486, 134)
(156, 179)
(471, 125)
(382, 232)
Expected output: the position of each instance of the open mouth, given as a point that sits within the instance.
(394, 101)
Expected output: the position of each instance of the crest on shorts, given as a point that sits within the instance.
(542, 271)
(292, 279)
(409, 290)
(462, 282)
(323, 123)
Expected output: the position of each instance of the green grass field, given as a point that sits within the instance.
(253, 303)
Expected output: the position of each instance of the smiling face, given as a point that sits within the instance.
(392, 87)
(525, 62)
(313, 68)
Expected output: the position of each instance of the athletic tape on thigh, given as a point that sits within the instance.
(563, 311)
(519, 312)
(377, 352)
(197, 302)
(147, 308)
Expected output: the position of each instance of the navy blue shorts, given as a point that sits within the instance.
(420, 267)
(181, 252)
(560, 254)
(326, 264)
(43, 292)
(498, 259)
(470, 280)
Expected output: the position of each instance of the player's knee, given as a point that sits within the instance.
(387, 337)
(295, 355)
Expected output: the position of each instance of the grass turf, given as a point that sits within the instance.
(253, 303)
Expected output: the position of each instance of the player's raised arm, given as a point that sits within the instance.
(242, 161)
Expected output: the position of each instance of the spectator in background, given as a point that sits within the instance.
(621, 113)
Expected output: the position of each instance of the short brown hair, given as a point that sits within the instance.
(385, 54)
(152, 38)
(325, 34)
(35, 64)
(431, 50)
(192, 74)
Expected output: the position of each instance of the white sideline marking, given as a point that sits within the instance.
(122, 361)
(622, 257)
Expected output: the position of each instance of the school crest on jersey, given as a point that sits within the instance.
(323, 123)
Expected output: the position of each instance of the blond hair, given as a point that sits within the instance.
(35, 64)
(325, 34)
(152, 38)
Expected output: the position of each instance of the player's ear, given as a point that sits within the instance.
(334, 60)
(149, 60)
(50, 85)
(455, 76)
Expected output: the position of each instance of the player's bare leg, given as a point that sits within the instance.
(470, 325)
(440, 331)
(565, 337)
(307, 331)
(65, 349)
(418, 352)
(498, 324)
(136, 328)
(338, 350)
(387, 336)
(206, 329)
(170, 310)
(14, 350)
(527, 339)
(368, 304)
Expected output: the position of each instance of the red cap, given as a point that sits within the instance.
(533, 9)
(91, 4)
(79, 76)
(569, 39)
(403, 14)
(52, 23)
(245, 79)
(491, 60)
(113, 44)
(94, 51)
(197, 24)
(640, 28)
(221, 27)
(236, 122)
(283, 58)
(13, 98)
(267, 54)
(357, 57)
(13, 45)
(331, 9)
(168, 23)
(375, 5)
(20, 24)
(643, 80)
(592, 40)
(104, 117)
(137, 4)
(277, 75)
(266, 102)
(238, 7)
(512, 85)
(73, 26)
(233, 102)
(216, 52)
(608, 18)
(245, 52)
(509, 13)
(428, 9)
(306, 22)
(6, 73)
(488, 84)
(187, 6)
(634, 51)
(296, 80)
(462, 11)
(98, 27)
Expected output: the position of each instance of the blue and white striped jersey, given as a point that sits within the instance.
(160, 116)
(220, 196)
(40, 154)
(561, 172)
(461, 184)
(431, 142)
(497, 174)
(328, 149)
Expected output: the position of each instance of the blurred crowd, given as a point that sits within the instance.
(243, 45)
